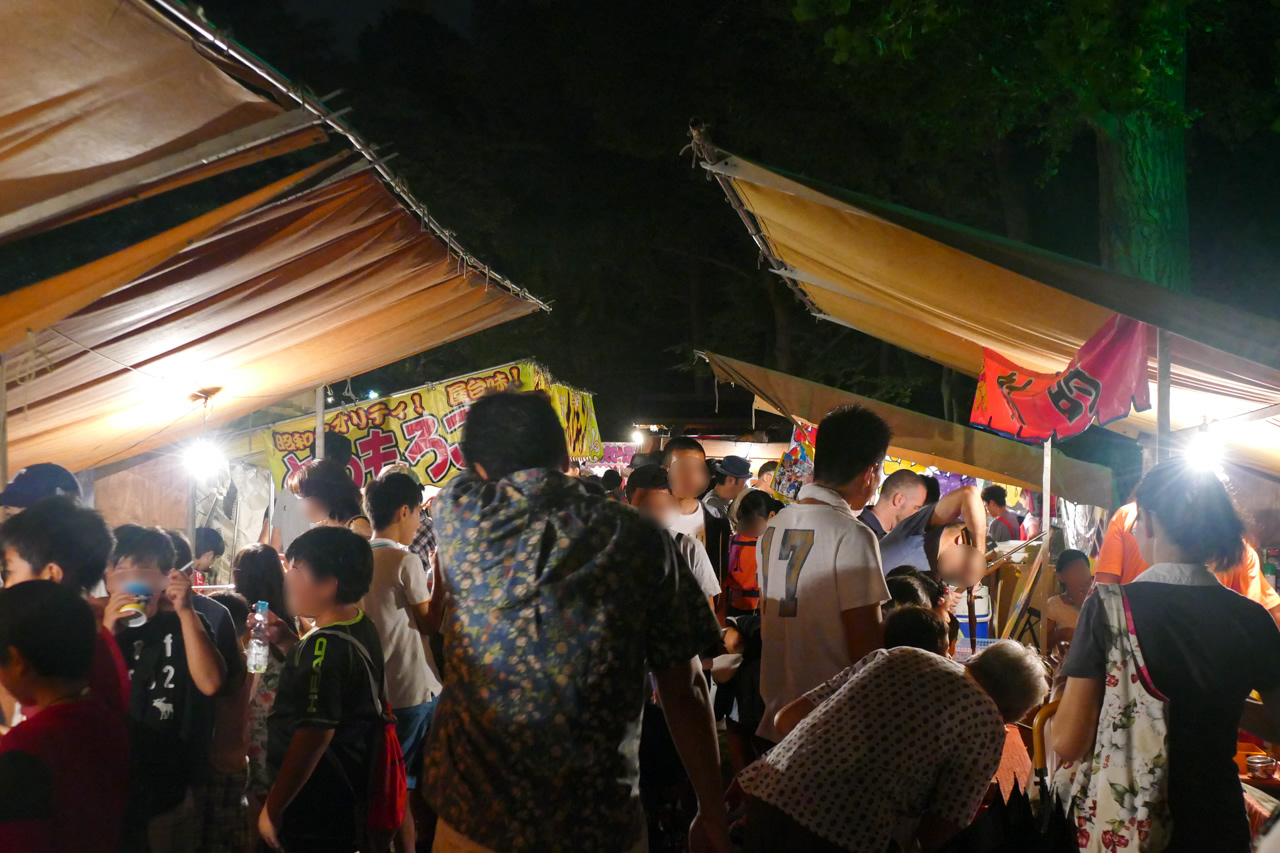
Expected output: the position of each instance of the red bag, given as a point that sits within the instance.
(388, 785)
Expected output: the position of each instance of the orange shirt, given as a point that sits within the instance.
(1246, 578)
(1120, 556)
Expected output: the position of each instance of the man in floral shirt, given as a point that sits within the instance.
(561, 601)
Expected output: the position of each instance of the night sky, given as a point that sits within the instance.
(548, 133)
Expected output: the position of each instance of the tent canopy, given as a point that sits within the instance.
(924, 439)
(321, 275)
(332, 282)
(107, 100)
(946, 292)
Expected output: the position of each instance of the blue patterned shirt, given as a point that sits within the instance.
(560, 603)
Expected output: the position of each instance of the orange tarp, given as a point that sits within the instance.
(923, 439)
(945, 292)
(331, 283)
(44, 303)
(95, 88)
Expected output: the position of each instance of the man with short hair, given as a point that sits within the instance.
(561, 602)
(921, 537)
(649, 491)
(731, 476)
(901, 495)
(821, 582)
(209, 547)
(1005, 525)
(764, 478)
(686, 464)
(400, 602)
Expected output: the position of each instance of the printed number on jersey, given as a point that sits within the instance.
(794, 549)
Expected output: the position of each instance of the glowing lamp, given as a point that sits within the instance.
(1204, 451)
(204, 459)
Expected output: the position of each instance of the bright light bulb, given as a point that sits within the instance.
(204, 459)
(1204, 451)
(373, 395)
(637, 437)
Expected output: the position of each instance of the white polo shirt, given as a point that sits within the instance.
(816, 561)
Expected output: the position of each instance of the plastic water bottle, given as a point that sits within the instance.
(259, 649)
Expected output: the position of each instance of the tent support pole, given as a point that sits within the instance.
(1045, 514)
(1162, 395)
(317, 449)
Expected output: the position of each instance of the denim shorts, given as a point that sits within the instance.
(412, 725)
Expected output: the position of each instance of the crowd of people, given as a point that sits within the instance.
(543, 661)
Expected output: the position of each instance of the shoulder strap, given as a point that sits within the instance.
(379, 696)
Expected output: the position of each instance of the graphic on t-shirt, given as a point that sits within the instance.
(795, 548)
(165, 708)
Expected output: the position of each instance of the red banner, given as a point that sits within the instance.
(1107, 376)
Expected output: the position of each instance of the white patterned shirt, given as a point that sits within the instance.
(816, 561)
(901, 734)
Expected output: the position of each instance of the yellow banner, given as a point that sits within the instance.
(578, 414)
(423, 428)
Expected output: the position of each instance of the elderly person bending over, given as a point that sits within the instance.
(898, 748)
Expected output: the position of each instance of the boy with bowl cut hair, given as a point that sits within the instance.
(63, 770)
(175, 670)
(321, 732)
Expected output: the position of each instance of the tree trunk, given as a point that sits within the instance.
(1142, 172)
(1013, 194)
(780, 302)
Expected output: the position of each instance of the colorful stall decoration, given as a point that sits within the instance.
(616, 455)
(423, 427)
(795, 468)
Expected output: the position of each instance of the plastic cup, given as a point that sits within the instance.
(135, 613)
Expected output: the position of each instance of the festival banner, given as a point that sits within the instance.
(1107, 376)
(616, 455)
(423, 427)
(578, 414)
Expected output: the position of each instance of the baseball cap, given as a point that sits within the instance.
(734, 466)
(38, 481)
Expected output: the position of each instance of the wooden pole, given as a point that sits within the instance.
(1162, 395)
(1045, 514)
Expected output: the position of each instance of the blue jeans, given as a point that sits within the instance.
(412, 725)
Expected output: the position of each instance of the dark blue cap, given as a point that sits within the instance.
(734, 466)
(39, 481)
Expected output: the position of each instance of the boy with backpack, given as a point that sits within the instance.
(326, 736)
(174, 671)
